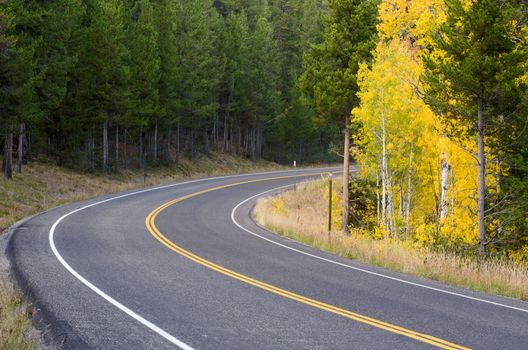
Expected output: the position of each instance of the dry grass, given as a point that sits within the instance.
(14, 324)
(42, 186)
(302, 215)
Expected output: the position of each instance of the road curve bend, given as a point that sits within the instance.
(184, 266)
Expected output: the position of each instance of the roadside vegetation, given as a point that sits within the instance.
(15, 326)
(302, 214)
(43, 186)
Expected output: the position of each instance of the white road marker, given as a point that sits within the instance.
(353, 267)
(108, 298)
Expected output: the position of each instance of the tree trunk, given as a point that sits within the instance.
(178, 143)
(346, 176)
(92, 154)
(400, 198)
(168, 145)
(383, 173)
(155, 142)
(8, 154)
(378, 206)
(140, 149)
(390, 205)
(258, 142)
(239, 140)
(87, 159)
(253, 143)
(225, 146)
(215, 133)
(481, 189)
(230, 137)
(246, 144)
(20, 152)
(191, 144)
(105, 147)
(407, 213)
(228, 111)
(445, 168)
(206, 140)
(499, 226)
(116, 160)
(125, 158)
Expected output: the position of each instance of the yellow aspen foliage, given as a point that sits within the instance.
(409, 19)
(426, 181)
(523, 33)
(396, 122)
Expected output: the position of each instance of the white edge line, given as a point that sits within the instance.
(108, 298)
(357, 268)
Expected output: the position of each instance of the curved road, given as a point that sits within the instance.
(184, 266)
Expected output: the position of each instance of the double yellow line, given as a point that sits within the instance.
(151, 226)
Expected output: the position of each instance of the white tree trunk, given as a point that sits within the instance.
(378, 199)
(407, 213)
(445, 169)
(401, 202)
(390, 205)
(383, 172)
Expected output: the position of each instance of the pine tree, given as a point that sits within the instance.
(18, 106)
(166, 22)
(286, 18)
(201, 65)
(7, 43)
(265, 98)
(330, 77)
(236, 79)
(144, 62)
(104, 78)
(58, 26)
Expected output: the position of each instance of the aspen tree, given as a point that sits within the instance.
(470, 70)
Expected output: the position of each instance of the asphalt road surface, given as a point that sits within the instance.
(184, 266)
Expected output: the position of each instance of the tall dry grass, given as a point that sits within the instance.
(302, 215)
(42, 186)
(15, 326)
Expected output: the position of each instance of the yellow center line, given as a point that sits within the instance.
(152, 228)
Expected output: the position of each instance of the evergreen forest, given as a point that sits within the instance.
(428, 97)
(97, 85)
